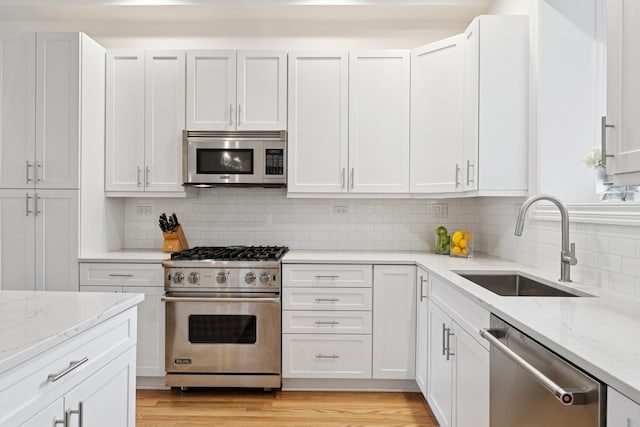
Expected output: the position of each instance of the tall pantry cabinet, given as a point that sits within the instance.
(46, 108)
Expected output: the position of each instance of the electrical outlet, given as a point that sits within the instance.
(436, 210)
(339, 210)
(143, 210)
(440, 210)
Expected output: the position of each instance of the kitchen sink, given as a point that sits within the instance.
(516, 285)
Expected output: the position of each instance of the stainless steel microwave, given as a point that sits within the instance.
(243, 158)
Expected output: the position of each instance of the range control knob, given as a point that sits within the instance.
(265, 278)
(250, 277)
(222, 277)
(194, 278)
(178, 278)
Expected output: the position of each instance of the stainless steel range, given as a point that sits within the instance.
(223, 321)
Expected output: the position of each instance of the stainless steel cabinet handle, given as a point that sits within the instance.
(27, 198)
(327, 300)
(120, 275)
(79, 412)
(444, 342)
(327, 356)
(449, 334)
(230, 115)
(564, 396)
(239, 114)
(326, 277)
(469, 180)
(457, 173)
(74, 364)
(352, 173)
(138, 172)
(422, 282)
(342, 178)
(603, 140)
(63, 421)
(29, 165)
(38, 171)
(325, 322)
(147, 173)
(37, 199)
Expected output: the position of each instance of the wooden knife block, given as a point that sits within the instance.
(174, 242)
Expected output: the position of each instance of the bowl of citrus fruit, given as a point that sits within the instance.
(461, 244)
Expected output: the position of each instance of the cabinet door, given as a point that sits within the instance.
(394, 322)
(211, 89)
(52, 415)
(623, 86)
(57, 110)
(379, 121)
(56, 240)
(436, 111)
(472, 381)
(422, 329)
(470, 88)
(17, 109)
(621, 411)
(17, 240)
(164, 119)
(124, 154)
(262, 90)
(150, 348)
(107, 398)
(318, 122)
(440, 372)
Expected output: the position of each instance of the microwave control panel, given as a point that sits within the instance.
(274, 161)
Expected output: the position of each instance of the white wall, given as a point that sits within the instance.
(509, 7)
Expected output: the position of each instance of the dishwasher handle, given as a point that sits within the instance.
(565, 396)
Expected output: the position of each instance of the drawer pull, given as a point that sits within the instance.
(327, 276)
(74, 364)
(324, 322)
(327, 300)
(327, 356)
(79, 412)
(120, 275)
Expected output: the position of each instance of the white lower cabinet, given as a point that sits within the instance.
(458, 373)
(422, 328)
(135, 278)
(621, 411)
(98, 391)
(394, 321)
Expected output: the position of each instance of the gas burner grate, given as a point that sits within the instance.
(232, 253)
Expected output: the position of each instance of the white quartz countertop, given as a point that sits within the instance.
(32, 322)
(599, 333)
(127, 256)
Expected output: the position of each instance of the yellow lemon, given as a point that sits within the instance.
(456, 250)
(466, 235)
(456, 237)
(463, 243)
(464, 251)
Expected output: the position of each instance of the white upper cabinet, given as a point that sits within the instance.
(495, 105)
(318, 121)
(40, 115)
(379, 121)
(144, 121)
(236, 90)
(621, 137)
(436, 113)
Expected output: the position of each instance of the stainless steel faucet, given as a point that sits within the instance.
(567, 256)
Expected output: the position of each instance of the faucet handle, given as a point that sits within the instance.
(570, 257)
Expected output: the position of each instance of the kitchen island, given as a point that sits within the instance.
(67, 356)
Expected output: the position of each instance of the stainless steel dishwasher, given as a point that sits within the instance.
(534, 387)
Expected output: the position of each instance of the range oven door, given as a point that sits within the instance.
(210, 333)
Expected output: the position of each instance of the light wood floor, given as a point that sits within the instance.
(239, 408)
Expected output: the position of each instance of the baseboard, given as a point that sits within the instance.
(151, 383)
(321, 384)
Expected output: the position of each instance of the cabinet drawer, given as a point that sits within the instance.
(326, 322)
(326, 299)
(27, 385)
(326, 356)
(470, 316)
(327, 275)
(93, 274)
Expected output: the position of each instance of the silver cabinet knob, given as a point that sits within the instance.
(222, 277)
(194, 278)
(178, 278)
(250, 277)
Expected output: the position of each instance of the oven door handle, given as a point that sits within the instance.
(214, 299)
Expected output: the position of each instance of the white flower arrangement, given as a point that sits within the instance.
(593, 159)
